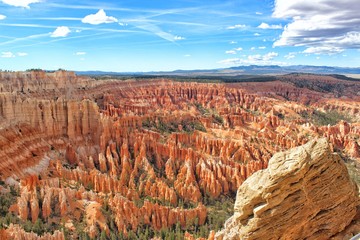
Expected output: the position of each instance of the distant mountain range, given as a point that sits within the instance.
(240, 70)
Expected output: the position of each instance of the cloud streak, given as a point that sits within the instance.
(25, 25)
(230, 52)
(154, 29)
(30, 37)
(237, 26)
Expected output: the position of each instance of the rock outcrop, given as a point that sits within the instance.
(15, 232)
(305, 193)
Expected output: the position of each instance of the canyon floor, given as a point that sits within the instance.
(162, 158)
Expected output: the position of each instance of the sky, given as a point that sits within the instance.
(163, 35)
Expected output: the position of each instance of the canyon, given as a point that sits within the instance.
(157, 158)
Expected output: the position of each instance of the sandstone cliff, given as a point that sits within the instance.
(305, 193)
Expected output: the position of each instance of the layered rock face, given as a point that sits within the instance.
(305, 193)
(118, 157)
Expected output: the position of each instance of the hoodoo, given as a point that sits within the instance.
(157, 158)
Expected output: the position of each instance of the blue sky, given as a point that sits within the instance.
(157, 35)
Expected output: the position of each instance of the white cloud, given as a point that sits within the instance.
(123, 24)
(80, 53)
(290, 55)
(231, 52)
(99, 18)
(323, 50)
(270, 56)
(234, 51)
(237, 26)
(252, 48)
(178, 38)
(266, 59)
(258, 13)
(20, 3)
(7, 55)
(267, 26)
(256, 34)
(2, 17)
(262, 47)
(22, 54)
(323, 26)
(233, 42)
(61, 32)
(187, 55)
(12, 55)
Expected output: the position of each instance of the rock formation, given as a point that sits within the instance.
(80, 150)
(305, 193)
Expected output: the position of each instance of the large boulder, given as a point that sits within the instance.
(305, 193)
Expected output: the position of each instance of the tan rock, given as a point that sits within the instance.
(305, 193)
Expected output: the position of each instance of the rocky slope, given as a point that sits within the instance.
(305, 193)
(109, 157)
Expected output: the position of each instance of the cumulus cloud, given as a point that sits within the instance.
(234, 51)
(20, 3)
(2, 17)
(323, 26)
(61, 32)
(7, 55)
(99, 18)
(266, 59)
(80, 53)
(22, 54)
(237, 26)
(267, 26)
(178, 38)
(12, 55)
(256, 34)
(233, 42)
(262, 47)
(258, 13)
